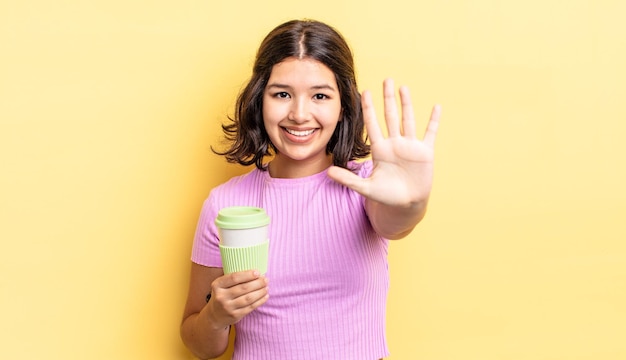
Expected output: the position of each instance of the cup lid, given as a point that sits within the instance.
(241, 217)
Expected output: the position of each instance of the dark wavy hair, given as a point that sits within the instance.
(249, 142)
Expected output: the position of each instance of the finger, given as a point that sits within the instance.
(236, 278)
(247, 287)
(238, 313)
(391, 108)
(408, 119)
(433, 126)
(251, 299)
(240, 295)
(349, 179)
(235, 309)
(369, 118)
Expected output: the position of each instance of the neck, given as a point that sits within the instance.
(281, 167)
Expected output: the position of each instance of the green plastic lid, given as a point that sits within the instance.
(241, 217)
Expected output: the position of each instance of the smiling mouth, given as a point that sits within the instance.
(300, 132)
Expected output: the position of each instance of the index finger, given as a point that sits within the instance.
(236, 278)
(369, 118)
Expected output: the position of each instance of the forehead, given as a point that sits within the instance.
(302, 71)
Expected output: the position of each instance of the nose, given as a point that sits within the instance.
(300, 111)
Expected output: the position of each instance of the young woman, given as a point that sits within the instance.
(300, 120)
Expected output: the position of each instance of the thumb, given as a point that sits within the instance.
(349, 179)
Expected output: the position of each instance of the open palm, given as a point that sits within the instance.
(403, 164)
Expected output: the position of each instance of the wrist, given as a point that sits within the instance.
(210, 320)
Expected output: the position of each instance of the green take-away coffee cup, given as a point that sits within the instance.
(244, 244)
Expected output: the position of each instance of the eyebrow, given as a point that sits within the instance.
(314, 87)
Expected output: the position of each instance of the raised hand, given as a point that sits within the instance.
(403, 164)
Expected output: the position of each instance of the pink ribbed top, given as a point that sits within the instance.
(327, 269)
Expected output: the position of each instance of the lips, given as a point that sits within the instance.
(299, 133)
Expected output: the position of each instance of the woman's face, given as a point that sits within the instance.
(301, 109)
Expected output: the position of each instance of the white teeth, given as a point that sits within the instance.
(300, 133)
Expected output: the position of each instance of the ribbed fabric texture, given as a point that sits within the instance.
(327, 269)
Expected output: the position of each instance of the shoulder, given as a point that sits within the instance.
(241, 180)
(239, 184)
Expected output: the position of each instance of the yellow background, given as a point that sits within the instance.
(108, 109)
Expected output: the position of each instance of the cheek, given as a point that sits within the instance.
(332, 115)
(267, 121)
(270, 123)
(272, 113)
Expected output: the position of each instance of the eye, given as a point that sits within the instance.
(321, 97)
(281, 95)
